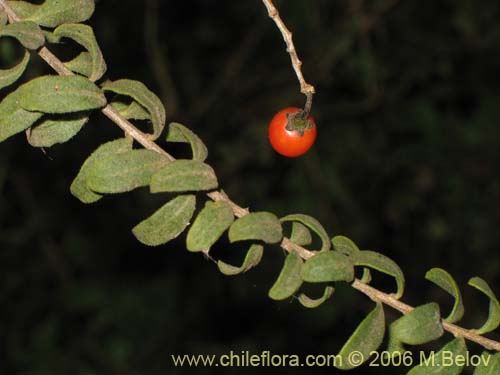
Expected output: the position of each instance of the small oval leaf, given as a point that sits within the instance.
(365, 340)
(263, 226)
(9, 76)
(328, 266)
(79, 186)
(184, 175)
(84, 35)
(61, 94)
(301, 235)
(179, 133)
(13, 118)
(446, 282)
(494, 312)
(253, 257)
(145, 97)
(312, 224)
(81, 64)
(131, 111)
(213, 220)
(53, 131)
(53, 13)
(167, 223)
(22, 8)
(383, 264)
(312, 303)
(289, 280)
(449, 360)
(489, 364)
(27, 33)
(420, 326)
(348, 247)
(119, 173)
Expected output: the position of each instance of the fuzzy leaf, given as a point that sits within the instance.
(119, 173)
(312, 224)
(328, 266)
(253, 257)
(180, 133)
(81, 64)
(365, 340)
(9, 76)
(449, 360)
(23, 9)
(494, 312)
(84, 35)
(13, 118)
(166, 223)
(383, 264)
(262, 226)
(184, 175)
(348, 247)
(53, 13)
(131, 111)
(446, 282)
(213, 220)
(79, 186)
(289, 280)
(53, 131)
(27, 33)
(313, 303)
(420, 326)
(301, 235)
(489, 364)
(140, 93)
(58, 94)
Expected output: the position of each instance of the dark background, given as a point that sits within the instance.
(406, 163)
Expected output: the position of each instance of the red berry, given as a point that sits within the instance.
(290, 134)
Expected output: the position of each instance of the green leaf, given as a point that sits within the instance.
(184, 175)
(420, 326)
(328, 266)
(348, 247)
(383, 264)
(13, 118)
(489, 364)
(166, 223)
(27, 33)
(312, 224)
(131, 110)
(79, 186)
(213, 220)
(445, 281)
(450, 360)
(313, 303)
(81, 64)
(300, 234)
(365, 340)
(289, 280)
(140, 93)
(119, 173)
(180, 133)
(262, 226)
(84, 35)
(53, 13)
(253, 257)
(53, 131)
(9, 76)
(494, 312)
(58, 94)
(23, 9)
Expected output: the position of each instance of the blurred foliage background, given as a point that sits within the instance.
(405, 163)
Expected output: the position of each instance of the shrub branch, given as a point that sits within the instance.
(131, 131)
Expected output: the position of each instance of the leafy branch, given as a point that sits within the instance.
(116, 167)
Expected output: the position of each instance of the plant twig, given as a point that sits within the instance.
(286, 243)
(305, 88)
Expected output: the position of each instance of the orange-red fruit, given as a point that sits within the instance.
(291, 143)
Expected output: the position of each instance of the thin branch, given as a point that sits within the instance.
(305, 88)
(286, 243)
